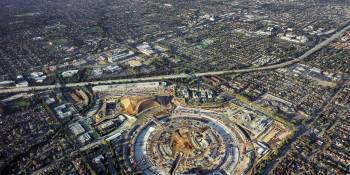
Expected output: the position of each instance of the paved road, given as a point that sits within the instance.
(305, 129)
(183, 75)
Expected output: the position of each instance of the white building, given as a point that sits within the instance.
(145, 48)
(69, 73)
(76, 128)
(22, 84)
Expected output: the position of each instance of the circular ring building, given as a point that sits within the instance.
(188, 141)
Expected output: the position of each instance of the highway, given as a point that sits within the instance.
(183, 75)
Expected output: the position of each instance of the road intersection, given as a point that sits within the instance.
(184, 75)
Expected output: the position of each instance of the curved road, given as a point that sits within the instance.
(183, 75)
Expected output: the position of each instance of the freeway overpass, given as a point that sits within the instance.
(183, 75)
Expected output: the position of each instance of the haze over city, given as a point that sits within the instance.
(175, 87)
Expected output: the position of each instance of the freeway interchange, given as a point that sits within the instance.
(184, 75)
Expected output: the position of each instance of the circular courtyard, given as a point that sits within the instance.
(185, 143)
